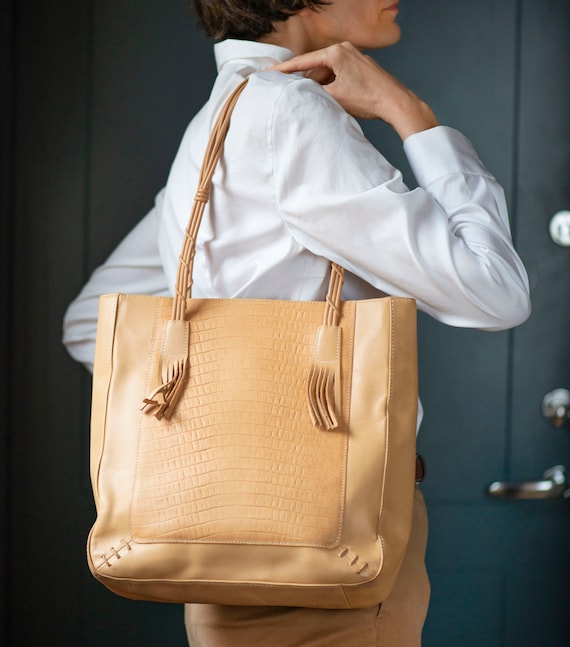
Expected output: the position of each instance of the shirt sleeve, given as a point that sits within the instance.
(447, 243)
(134, 267)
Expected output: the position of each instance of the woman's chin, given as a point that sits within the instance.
(378, 41)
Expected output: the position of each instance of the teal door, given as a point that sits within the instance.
(499, 567)
(103, 93)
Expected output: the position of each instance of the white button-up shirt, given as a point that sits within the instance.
(299, 185)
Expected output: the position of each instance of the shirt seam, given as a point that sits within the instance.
(462, 173)
(271, 148)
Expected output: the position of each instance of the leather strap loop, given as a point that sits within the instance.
(420, 468)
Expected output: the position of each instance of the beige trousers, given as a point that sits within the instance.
(397, 622)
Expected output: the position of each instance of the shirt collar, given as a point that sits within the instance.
(260, 55)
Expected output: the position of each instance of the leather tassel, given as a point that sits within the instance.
(323, 389)
(174, 370)
(321, 397)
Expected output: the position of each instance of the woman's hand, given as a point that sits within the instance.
(363, 88)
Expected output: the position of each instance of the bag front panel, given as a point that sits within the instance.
(240, 461)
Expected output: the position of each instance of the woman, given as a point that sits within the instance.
(299, 186)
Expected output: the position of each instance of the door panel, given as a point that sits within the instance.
(495, 566)
(454, 607)
(152, 71)
(45, 416)
(537, 572)
(56, 238)
(542, 346)
(111, 621)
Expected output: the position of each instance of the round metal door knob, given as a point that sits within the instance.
(556, 406)
(560, 228)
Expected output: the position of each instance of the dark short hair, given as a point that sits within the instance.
(246, 19)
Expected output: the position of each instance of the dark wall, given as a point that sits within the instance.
(7, 29)
(103, 91)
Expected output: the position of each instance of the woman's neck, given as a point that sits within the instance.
(291, 34)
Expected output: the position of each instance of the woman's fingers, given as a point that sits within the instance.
(322, 75)
(350, 77)
(363, 88)
(329, 57)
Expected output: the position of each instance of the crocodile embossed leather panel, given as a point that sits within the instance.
(239, 459)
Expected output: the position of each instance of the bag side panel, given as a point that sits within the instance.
(102, 371)
(119, 384)
(385, 332)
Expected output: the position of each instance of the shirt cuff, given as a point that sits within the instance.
(441, 151)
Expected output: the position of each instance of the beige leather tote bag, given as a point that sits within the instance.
(273, 459)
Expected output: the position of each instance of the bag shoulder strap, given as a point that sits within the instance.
(184, 279)
(324, 378)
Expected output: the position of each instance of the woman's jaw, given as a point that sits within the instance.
(367, 24)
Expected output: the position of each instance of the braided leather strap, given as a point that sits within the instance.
(183, 287)
(323, 389)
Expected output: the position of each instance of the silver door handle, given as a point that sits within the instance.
(553, 486)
